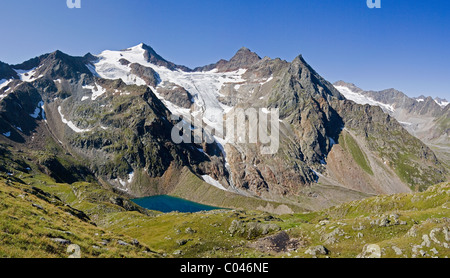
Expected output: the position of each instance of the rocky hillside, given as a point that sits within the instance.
(41, 217)
(43, 223)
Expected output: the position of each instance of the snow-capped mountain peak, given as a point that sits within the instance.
(204, 87)
(353, 93)
(390, 99)
(442, 102)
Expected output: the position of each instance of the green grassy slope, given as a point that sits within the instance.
(37, 224)
(40, 217)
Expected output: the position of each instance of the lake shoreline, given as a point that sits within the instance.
(167, 204)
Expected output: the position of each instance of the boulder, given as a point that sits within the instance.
(370, 251)
(317, 250)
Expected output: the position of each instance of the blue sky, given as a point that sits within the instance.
(404, 45)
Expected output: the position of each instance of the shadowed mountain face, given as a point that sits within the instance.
(112, 113)
(7, 72)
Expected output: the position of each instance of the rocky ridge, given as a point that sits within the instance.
(423, 117)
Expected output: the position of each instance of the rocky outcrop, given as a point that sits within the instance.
(279, 243)
(370, 251)
(176, 94)
(317, 250)
(251, 230)
(150, 76)
(7, 72)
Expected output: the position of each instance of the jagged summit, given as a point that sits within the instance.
(48, 60)
(149, 55)
(244, 49)
(243, 59)
(309, 80)
(346, 84)
(246, 53)
(153, 57)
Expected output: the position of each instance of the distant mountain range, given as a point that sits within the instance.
(424, 117)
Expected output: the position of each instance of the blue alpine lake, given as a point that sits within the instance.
(165, 203)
